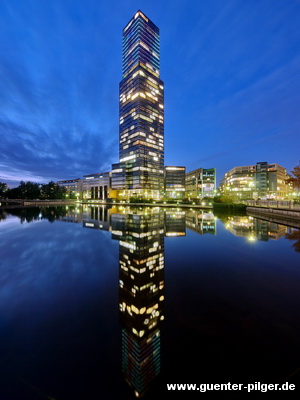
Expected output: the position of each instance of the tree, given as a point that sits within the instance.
(13, 193)
(32, 190)
(294, 180)
(3, 188)
(224, 198)
(53, 191)
(26, 190)
(29, 190)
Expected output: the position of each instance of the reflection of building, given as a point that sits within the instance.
(96, 217)
(174, 223)
(175, 182)
(252, 181)
(254, 229)
(201, 183)
(141, 283)
(141, 143)
(71, 214)
(201, 222)
(266, 230)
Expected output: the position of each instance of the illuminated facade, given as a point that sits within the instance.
(141, 294)
(96, 186)
(262, 180)
(140, 170)
(72, 185)
(174, 182)
(200, 183)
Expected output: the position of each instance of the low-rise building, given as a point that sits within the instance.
(200, 183)
(96, 186)
(262, 180)
(72, 185)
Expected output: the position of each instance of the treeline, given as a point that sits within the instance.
(31, 190)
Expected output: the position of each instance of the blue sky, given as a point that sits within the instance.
(231, 71)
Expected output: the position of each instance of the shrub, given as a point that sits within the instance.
(229, 208)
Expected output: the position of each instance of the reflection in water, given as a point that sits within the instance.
(201, 222)
(141, 233)
(141, 295)
(175, 223)
(294, 234)
(141, 272)
(254, 229)
(31, 214)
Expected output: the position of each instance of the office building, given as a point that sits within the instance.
(140, 171)
(96, 186)
(174, 182)
(200, 183)
(72, 185)
(262, 180)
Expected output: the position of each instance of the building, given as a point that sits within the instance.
(72, 185)
(263, 180)
(200, 183)
(174, 179)
(140, 171)
(96, 186)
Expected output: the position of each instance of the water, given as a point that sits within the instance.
(100, 303)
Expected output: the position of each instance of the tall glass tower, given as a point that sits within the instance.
(140, 171)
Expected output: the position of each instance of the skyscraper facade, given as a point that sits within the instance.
(140, 171)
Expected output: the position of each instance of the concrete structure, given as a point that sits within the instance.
(174, 179)
(96, 186)
(263, 180)
(72, 185)
(140, 171)
(200, 183)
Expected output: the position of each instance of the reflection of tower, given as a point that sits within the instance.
(141, 294)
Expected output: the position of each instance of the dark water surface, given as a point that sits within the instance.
(100, 303)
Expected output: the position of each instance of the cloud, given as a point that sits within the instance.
(58, 118)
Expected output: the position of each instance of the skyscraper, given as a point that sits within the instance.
(140, 171)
